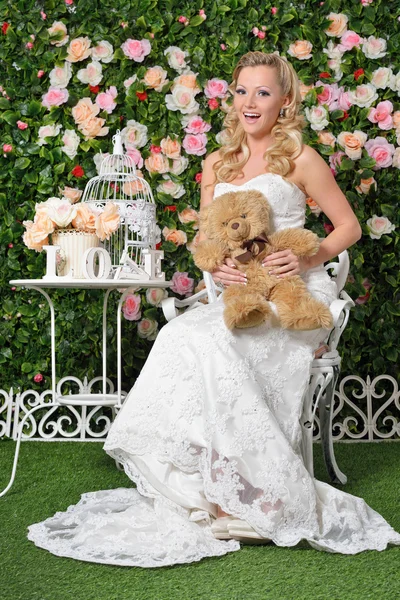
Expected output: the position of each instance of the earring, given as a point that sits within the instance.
(281, 113)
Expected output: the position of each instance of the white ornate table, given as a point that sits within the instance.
(84, 398)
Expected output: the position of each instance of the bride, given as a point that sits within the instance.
(210, 433)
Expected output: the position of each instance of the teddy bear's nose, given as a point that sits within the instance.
(235, 225)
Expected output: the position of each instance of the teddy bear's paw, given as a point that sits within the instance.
(246, 311)
(306, 316)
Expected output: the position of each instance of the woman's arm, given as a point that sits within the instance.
(224, 274)
(316, 178)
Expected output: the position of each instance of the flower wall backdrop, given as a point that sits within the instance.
(73, 72)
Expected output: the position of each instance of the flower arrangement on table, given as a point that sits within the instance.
(62, 214)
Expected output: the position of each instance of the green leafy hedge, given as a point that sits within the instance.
(214, 34)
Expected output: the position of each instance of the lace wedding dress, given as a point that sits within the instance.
(213, 420)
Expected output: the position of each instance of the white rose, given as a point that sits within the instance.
(374, 47)
(71, 142)
(182, 99)
(134, 134)
(60, 76)
(155, 296)
(364, 95)
(381, 77)
(128, 82)
(176, 58)
(334, 64)
(394, 83)
(58, 29)
(60, 211)
(47, 131)
(176, 190)
(222, 137)
(179, 165)
(333, 50)
(148, 329)
(103, 51)
(377, 226)
(396, 158)
(317, 117)
(92, 75)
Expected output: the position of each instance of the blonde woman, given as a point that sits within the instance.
(210, 433)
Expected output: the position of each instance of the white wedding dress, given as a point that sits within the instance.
(213, 420)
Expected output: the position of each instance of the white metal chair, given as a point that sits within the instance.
(324, 370)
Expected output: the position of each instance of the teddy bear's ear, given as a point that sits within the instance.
(204, 218)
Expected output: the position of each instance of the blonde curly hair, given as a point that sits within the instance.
(286, 133)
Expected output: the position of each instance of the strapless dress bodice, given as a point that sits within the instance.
(288, 202)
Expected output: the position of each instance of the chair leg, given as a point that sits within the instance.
(325, 416)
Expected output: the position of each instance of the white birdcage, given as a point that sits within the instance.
(132, 248)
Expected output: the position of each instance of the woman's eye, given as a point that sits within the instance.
(240, 92)
(243, 216)
(264, 93)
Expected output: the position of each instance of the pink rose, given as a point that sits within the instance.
(216, 88)
(329, 95)
(213, 103)
(40, 73)
(195, 144)
(182, 284)
(38, 378)
(105, 100)
(135, 155)
(131, 307)
(136, 49)
(349, 40)
(22, 125)
(344, 102)
(55, 97)
(382, 115)
(196, 125)
(7, 148)
(381, 151)
(335, 160)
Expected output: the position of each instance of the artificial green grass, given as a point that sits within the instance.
(52, 476)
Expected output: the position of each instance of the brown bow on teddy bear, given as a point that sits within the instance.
(237, 225)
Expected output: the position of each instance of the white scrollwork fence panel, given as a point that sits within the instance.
(363, 410)
(57, 423)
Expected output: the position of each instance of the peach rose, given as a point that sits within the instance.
(189, 215)
(326, 138)
(58, 34)
(192, 246)
(130, 188)
(155, 78)
(365, 185)
(72, 194)
(85, 219)
(176, 236)
(304, 89)
(157, 163)
(34, 237)
(352, 143)
(108, 221)
(171, 148)
(301, 49)
(93, 127)
(313, 206)
(338, 24)
(188, 80)
(84, 110)
(396, 119)
(42, 220)
(79, 49)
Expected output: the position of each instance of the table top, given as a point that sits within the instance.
(90, 284)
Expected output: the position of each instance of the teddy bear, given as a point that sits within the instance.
(237, 225)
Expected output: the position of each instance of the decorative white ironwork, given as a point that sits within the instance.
(370, 419)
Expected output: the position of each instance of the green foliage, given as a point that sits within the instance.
(31, 173)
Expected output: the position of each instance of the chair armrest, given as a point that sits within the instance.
(171, 305)
(340, 310)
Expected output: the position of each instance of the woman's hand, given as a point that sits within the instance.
(227, 274)
(285, 264)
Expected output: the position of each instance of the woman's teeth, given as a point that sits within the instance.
(251, 117)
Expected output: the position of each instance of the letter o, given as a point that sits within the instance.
(88, 263)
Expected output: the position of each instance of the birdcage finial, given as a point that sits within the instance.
(117, 143)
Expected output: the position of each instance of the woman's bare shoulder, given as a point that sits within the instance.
(212, 158)
(307, 157)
